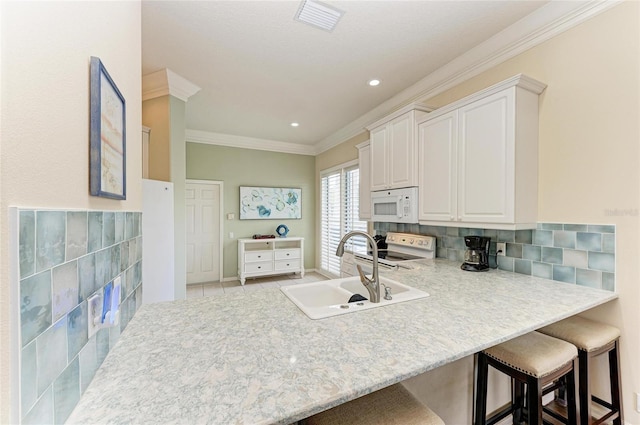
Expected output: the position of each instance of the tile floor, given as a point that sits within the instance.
(208, 289)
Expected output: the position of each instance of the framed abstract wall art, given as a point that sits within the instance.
(107, 135)
(260, 203)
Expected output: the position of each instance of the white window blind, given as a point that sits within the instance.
(339, 215)
(351, 210)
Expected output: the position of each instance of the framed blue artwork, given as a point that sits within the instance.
(263, 203)
(107, 135)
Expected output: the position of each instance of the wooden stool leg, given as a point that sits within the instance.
(584, 388)
(573, 415)
(481, 393)
(614, 378)
(517, 401)
(534, 401)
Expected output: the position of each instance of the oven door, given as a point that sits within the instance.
(366, 264)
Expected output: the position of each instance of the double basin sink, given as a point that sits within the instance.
(319, 300)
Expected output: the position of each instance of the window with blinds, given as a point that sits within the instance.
(339, 215)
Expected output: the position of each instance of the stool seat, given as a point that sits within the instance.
(393, 405)
(585, 334)
(593, 339)
(540, 363)
(534, 354)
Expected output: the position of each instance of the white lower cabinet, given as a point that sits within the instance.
(478, 159)
(264, 257)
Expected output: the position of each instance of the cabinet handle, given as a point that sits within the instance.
(259, 256)
(451, 218)
(259, 267)
(288, 254)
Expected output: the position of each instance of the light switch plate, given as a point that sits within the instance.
(94, 314)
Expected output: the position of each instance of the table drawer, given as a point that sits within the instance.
(262, 266)
(258, 256)
(286, 254)
(283, 265)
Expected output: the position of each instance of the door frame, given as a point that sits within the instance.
(221, 241)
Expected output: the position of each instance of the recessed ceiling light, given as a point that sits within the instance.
(374, 83)
(294, 124)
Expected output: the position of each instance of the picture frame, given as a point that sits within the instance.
(107, 139)
(270, 203)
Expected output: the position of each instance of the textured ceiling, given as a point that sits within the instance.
(260, 70)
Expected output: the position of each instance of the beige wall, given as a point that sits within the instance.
(46, 49)
(156, 116)
(588, 157)
(246, 167)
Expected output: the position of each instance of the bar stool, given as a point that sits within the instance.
(533, 359)
(592, 339)
(393, 405)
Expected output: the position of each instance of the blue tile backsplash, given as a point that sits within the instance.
(65, 257)
(583, 254)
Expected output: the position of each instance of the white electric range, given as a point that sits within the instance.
(402, 249)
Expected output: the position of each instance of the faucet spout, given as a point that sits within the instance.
(372, 285)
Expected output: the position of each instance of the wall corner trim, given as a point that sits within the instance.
(166, 82)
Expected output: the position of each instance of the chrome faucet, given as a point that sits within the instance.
(373, 284)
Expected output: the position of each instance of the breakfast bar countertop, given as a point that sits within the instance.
(255, 358)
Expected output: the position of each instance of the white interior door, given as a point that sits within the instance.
(203, 205)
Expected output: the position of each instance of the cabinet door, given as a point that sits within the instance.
(379, 164)
(486, 159)
(364, 166)
(401, 151)
(437, 157)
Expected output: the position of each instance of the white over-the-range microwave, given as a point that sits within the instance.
(395, 205)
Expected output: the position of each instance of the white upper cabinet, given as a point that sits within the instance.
(438, 164)
(478, 158)
(364, 171)
(393, 149)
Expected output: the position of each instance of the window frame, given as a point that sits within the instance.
(324, 246)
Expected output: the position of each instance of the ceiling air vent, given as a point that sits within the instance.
(319, 15)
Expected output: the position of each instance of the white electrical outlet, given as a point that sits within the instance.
(94, 314)
(501, 248)
(231, 235)
(638, 402)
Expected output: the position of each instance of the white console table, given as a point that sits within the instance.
(264, 257)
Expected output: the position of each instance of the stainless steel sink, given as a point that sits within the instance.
(319, 300)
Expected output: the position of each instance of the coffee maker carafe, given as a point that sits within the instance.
(476, 257)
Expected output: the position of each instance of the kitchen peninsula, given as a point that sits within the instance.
(255, 358)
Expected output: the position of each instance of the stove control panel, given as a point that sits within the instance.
(411, 240)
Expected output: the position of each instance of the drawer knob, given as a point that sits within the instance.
(259, 267)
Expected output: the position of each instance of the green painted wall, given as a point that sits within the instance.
(247, 167)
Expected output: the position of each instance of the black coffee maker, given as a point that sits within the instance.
(476, 257)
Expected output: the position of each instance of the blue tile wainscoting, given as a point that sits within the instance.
(65, 257)
(583, 254)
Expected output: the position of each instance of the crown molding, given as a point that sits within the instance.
(208, 138)
(166, 82)
(543, 24)
(395, 114)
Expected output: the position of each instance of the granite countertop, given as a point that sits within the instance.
(255, 358)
